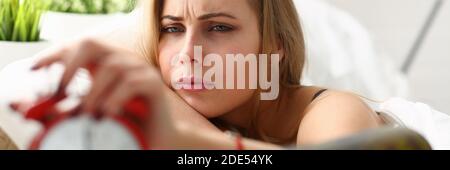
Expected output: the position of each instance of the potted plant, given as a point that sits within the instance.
(20, 29)
(68, 19)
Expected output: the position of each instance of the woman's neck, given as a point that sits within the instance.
(277, 118)
(243, 116)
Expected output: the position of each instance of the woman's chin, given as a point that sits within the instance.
(207, 107)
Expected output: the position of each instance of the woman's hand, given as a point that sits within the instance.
(118, 76)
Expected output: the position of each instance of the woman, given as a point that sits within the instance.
(299, 115)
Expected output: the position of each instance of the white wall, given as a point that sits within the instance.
(395, 24)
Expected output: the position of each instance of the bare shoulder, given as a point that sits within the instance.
(333, 115)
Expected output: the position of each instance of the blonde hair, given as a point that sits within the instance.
(279, 26)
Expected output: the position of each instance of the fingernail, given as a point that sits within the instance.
(14, 106)
(98, 115)
(35, 67)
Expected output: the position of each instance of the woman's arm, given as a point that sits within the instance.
(196, 132)
(183, 113)
(193, 131)
(193, 137)
(119, 75)
(333, 116)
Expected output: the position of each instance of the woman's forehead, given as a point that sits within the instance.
(197, 8)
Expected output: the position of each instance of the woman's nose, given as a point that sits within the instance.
(191, 52)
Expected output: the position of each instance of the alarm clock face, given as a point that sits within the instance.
(86, 133)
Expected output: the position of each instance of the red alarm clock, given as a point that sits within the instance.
(74, 130)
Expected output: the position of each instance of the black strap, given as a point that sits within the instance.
(318, 94)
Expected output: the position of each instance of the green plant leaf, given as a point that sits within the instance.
(93, 6)
(20, 19)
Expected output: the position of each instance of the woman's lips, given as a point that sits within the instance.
(194, 84)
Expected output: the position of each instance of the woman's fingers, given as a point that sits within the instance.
(83, 54)
(108, 66)
(123, 92)
(90, 52)
(45, 62)
(137, 83)
(50, 57)
(104, 80)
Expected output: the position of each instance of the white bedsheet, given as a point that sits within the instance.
(430, 123)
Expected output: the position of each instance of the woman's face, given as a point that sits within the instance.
(218, 26)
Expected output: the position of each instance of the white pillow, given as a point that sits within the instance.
(341, 54)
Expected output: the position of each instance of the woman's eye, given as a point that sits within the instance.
(221, 28)
(172, 29)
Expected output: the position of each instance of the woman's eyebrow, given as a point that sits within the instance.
(171, 17)
(203, 17)
(213, 15)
